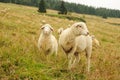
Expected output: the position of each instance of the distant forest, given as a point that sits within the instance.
(71, 7)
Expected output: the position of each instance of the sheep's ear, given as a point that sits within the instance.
(52, 29)
(93, 36)
(42, 27)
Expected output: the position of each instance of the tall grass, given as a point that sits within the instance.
(20, 58)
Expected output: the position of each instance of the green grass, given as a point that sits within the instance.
(69, 17)
(20, 58)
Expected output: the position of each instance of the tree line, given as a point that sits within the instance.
(71, 7)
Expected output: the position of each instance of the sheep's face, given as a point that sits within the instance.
(60, 30)
(47, 29)
(80, 28)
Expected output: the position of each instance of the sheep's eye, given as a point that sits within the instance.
(78, 26)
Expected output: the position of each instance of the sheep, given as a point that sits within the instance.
(95, 41)
(60, 30)
(47, 43)
(68, 41)
(83, 43)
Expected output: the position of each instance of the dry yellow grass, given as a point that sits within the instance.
(21, 60)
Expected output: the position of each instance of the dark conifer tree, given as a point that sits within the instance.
(42, 7)
(62, 9)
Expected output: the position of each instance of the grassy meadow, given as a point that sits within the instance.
(20, 58)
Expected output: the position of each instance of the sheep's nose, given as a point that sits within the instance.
(87, 34)
(46, 32)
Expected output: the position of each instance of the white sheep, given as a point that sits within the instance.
(95, 41)
(69, 41)
(47, 43)
(83, 43)
(60, 30)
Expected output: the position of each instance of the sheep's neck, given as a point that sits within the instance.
(71, 36)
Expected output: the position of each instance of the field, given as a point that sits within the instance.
(20, 58)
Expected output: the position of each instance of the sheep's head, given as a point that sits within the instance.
(95, 41)
(60, 30)
(80, 28)
(46, 29)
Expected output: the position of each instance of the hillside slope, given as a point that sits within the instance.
(20, 58)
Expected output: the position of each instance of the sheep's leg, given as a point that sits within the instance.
(88, 56)
(70, 56)
(76, 60)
